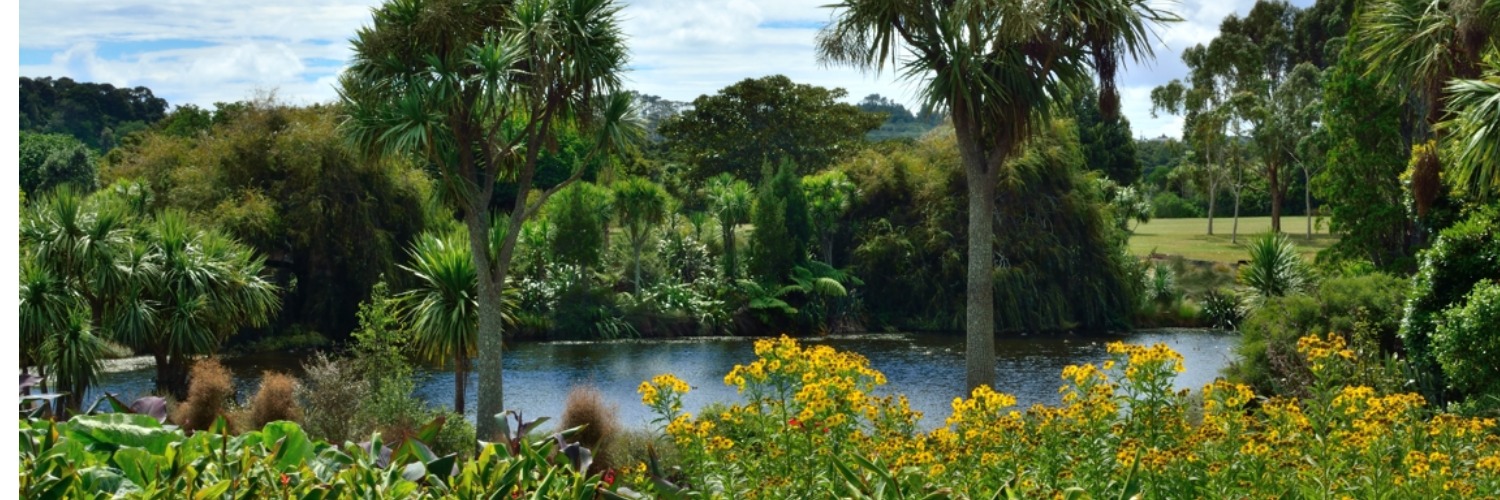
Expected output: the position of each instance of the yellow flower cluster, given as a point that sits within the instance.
(1321, 352)
(1119, 422)
(1141, 356)
(664, 392)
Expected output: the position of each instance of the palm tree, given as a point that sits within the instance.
(442, 309)
(190, 290)
(639, 205)
(478, 88)
(46, 303)
(1475, 107)
(73, 353)
(730, 199)
(77, 239)
(1424, 45)
(996, 66)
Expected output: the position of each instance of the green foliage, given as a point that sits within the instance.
(579, 215)
(50, 160)
(332, 391)
(1108, 146)
(1462, 256)
(731, 200)
(1275, 269)
(134, 456)
(72, 354)
(769, 119)
(442, 308)
(382, 340)
(783, 229)
(640, 205)
(900, 123)
(1167, 205)
(1223, 309)
(97, 114)
(284, 181)
(829, 195)
(1366, 309)
(1475, 107)
(1465, 344)
(1360, 182)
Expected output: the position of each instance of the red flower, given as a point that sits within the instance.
(609, 477)
(794, 423)
(285, 480)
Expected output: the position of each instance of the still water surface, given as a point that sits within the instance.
(927, 368)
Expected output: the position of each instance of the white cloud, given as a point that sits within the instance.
(202, 51)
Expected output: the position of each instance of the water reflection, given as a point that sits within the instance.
(929, 369)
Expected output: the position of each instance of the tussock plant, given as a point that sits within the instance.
(586, 407)
(210, 389)
(276, 400)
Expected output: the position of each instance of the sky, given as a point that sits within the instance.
(206, 51)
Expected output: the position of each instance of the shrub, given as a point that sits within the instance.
(210, 389)
(331, 393)
(810, 424)
(1466, 345)
(1170, 206)
(586, 406)
(1364, 308)
(392, 411)
(1223, 309)
(276, 400)
(457, 435)
(1461, 256)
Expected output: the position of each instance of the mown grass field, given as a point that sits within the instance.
(1189, 237)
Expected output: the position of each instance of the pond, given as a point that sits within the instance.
(927, 368)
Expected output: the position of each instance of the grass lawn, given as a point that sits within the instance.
(1189, 238)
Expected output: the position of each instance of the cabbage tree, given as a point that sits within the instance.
(996, 66)
(478, 89)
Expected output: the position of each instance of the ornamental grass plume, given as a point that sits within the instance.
(586, 407)
(210, 387)
(276, 400)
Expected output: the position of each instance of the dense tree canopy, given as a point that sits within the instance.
(769, 119)
(98, 114)
(51, 160)
(282, 180)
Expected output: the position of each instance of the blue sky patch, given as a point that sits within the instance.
(122, 50)
(791, 25)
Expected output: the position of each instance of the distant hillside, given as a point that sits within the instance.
(900, 123)
(97, 114)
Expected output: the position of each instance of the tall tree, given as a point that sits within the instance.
(769, 119)
(639, 205)
(1107, 144)
(730, 200)
(829, 195)
(782, 228)
(995, 66)
(479, 89)
(1361, 177)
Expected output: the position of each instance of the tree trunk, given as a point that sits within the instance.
(1307, 200)
(1273, 178)
(827, 242)
(491, 342)
(1234, 233)
(1213, 192)
(980, 320)
(460, 382)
